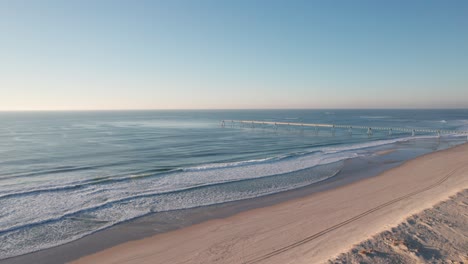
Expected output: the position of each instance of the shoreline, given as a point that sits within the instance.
(250, 236)
(354, 170)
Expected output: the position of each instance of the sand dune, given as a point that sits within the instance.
(436, 235)
(312, 229)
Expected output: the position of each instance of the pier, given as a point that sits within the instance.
(369, 129)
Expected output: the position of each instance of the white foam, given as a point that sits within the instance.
(52, 204)
(55, 233)
(374, 117)
(230, 164)
(47, 206)
(371, 144)
(462, 124)
(115, 202)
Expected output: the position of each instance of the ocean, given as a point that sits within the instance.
(65, 175)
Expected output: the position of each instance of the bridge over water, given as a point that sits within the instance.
(349, 128)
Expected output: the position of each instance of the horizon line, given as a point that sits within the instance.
(230, 109)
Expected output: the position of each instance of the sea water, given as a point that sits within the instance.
(64, 175)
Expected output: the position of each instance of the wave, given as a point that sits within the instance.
(225, 165)
(210, 167)
(136, 214)
(374, 117)
(50, 171)
(299, 162)
(196, 169)
(455, 124)
(179, 189)
(150, 194)
(373, 144)
(461, 124)
(82, 184)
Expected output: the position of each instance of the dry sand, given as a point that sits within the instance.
(312, 229)
(436, 235)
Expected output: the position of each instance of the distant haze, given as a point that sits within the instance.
(86, 55)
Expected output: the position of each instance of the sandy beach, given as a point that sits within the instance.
(436, 235)
(312, 229)
(233, 132)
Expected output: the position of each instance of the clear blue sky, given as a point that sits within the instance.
(57, 55)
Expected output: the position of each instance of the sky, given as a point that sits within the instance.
(210, 54)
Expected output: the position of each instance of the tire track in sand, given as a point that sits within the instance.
(350, 220)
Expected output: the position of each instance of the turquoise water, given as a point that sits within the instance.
(65, 175)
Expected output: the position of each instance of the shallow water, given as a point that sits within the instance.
(68, 174)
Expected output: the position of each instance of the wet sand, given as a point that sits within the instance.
(309, 229)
